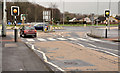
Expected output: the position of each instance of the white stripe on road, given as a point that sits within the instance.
(41, 39)
(80, 44)
(109, 42)
(62, 39)
(45, 58)
(104, 51)
(102, 47)
(72, 39)
(84, 40)
(51, 39)
(30, 40)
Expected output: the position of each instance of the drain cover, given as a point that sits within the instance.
(10, 45)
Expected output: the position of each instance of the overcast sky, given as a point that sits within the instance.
(81, 6)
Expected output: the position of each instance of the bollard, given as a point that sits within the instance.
(84, 25)
(16, 35)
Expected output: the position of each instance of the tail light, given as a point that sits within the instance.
(47, 26)
(35, 30)
(25, 31)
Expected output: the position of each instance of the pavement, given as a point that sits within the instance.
(113, 34)
(18, 57)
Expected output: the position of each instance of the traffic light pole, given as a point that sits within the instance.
(15, 30)
(106, 28)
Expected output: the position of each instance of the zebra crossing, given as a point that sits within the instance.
(54, 39)
(87, 40)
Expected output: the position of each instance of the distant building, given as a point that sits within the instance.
(74, 19)
(87, 19)
(112, 20)
(101, 19)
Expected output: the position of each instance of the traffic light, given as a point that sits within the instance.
(14, 10)
(107, 13)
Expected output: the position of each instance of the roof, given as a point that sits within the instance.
(101, 18)
(118, 18)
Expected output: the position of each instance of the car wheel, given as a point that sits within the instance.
(20, 35)
(35, 35)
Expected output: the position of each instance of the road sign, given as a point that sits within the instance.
(46, 15)
(14, 10)
(23, 17)
(107, 13)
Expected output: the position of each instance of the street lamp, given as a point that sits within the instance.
(4, 20)
(97, 11)
(63, 12)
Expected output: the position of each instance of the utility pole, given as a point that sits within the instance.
(109, 17)
(97, 11)
(63, 13)
(35, 14)
(4, 20)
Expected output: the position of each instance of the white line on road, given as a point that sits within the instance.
(104, 51)
(41, 39)
(109, 42)
(102, 47)
(80, 44)
(73, 39)
(84, 39)
(45, 58)
(30, 40)
(51, 39)
(62, 39)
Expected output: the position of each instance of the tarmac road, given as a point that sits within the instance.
(77, 36)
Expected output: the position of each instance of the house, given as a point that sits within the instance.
(112, 20)
(101, 19)
(86, 19)
(74, 19)
(118, 18)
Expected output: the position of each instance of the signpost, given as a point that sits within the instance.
(107, 15)
(46, 15)
(15, 13)
(23, 18)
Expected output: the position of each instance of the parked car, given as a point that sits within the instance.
(40, 26)
(28, 31)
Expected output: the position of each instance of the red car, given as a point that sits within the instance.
(28, 31)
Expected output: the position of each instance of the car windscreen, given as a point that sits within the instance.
(29, 28)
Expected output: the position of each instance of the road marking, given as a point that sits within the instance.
(51, 39)
(41, 39)
(21, 69)
(102, 47)
(80, 44)
(104, 51)
(62, 39)
(30, 40)
(84, 39)
(72, 39)
(45, 58)
(103, 41)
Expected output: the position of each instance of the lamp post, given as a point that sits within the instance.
(63, 12)
(4, 20)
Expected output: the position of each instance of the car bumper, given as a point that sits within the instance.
(29, 34)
